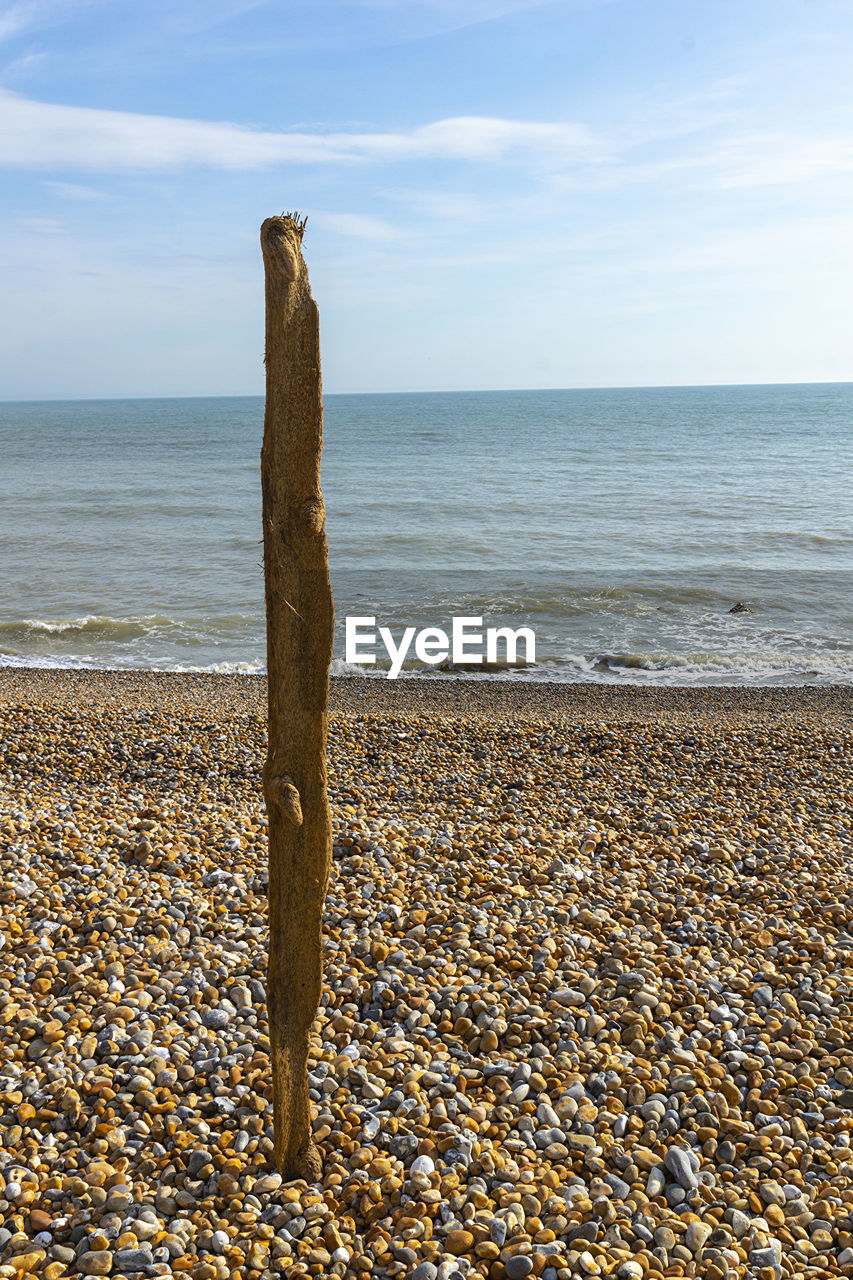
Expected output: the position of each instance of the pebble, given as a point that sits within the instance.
(95, 1263)
(678, 1163)
(132, 1259)
(594, 1022)
(518, 1266)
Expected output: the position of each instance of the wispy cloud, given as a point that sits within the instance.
(43, 226)
(42, 135)
(421, 18)
(74, 191)
(770, 159)
(17, 18)
(358, 225)
(463, 12)
(48, 136)
(25, 16)
(23, 68)
(451, 206)
(756, 160)
(197, 18)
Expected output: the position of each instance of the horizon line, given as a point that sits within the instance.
(256, 395)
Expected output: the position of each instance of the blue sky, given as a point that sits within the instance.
(500, 193)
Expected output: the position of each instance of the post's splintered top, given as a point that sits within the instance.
(281, 245)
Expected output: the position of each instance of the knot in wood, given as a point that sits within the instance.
(314, 515)
(285, 796)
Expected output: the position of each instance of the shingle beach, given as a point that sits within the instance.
(587, 1005)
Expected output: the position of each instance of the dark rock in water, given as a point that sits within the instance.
(740, 607)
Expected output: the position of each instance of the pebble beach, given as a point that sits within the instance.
(587, 1006)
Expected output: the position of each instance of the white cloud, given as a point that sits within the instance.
(42, 135)
(48, 136)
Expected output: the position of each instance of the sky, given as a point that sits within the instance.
(499, 193)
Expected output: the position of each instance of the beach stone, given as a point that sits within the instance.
(220, 1241)
(766, 1257)
(677, 1161)
(174, 1244)
(25, 1263)
(498, 1231)
(739, 1223)
(664, 1237)
(518, 1266)
(696, 1236)
(132, 1259)
(97, 1262)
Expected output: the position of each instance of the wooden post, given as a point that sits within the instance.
(300, 620)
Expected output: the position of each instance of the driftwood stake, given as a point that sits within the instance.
(300, 622)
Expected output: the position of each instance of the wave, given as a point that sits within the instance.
(709, 668)
(645, 668)
(100, 627)
(72, 663)
(341, 668)
(90, 624)
(232, 643)
(656, 633)
(677, 670)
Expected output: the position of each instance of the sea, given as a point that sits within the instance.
(621, 526)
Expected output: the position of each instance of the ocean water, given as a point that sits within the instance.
(621, 525)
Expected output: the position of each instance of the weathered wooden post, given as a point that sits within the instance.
(300, 621)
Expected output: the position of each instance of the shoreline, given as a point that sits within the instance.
(84, 688)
